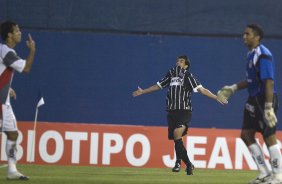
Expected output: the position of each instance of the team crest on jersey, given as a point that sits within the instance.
(181, 73)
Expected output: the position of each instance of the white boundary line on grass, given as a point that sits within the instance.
(3, 166)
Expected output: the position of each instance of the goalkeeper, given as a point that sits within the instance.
(261, 105)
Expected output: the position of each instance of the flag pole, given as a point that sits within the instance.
(32, 148)
(33, 137)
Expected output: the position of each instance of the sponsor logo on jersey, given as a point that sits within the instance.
(250, 108)
(176, 81)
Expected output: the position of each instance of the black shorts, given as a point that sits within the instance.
(253, 115)
(177, 119)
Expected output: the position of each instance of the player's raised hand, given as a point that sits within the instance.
(138, 92)
(30, 43)
(12, 93)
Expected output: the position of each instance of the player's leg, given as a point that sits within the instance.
(189, 166)
(269, 135)
(171, 115)
(178, 146)
(181, 152)
(275, 157)
(257, 154)
(251, 125)
(183, 119)
(185, 157)
(10, 128)
(11, 150)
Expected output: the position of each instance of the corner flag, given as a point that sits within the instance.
(40, 102)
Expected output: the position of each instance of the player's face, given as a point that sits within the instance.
(250, 39)
(16, 35)
(181, 62)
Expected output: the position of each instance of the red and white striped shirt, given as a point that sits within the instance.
(9, 61)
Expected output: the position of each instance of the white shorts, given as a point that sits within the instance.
(8, 122)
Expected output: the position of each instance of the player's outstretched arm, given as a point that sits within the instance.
(141, 91)
(209, 94)
(29, 60)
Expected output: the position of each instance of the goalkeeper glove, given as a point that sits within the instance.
(269, 115)
(225, 92)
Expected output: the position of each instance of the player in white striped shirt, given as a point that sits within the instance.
(10, 62)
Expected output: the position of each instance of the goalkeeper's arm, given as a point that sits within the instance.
(242, 85)
(227, 91)
(269, 91)
(269, 113)
(238, 86)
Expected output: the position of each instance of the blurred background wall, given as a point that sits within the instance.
(92, 54)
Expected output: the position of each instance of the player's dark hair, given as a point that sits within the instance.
(5, 28)
(257, 30)
(187, 61)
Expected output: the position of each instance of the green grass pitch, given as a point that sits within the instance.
(40, 174)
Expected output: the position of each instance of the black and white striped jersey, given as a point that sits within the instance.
(181, 83)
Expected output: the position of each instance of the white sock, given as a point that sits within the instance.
(11, 155)
(258, 157)
(275, 158)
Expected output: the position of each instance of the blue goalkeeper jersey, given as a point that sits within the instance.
(260, 66)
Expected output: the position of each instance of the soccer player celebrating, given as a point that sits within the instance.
(181, 83)
(261, 106)
(9, 62)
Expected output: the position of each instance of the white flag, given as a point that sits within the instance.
(40, 100)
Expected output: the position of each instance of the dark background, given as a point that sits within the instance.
(92, 54)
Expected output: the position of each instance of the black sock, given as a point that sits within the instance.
(178, 146)
(185, 157)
